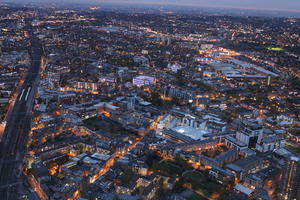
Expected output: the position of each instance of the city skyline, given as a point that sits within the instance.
(266, 5)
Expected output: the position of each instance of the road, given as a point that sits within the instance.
(37, 187)
(14, 140)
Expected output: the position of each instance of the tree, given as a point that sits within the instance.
(127, 176)
(156, 100)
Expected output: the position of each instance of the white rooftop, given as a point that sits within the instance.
(294, 158)
(243, 189)
(189, 131)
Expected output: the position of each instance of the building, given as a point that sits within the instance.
(149, 192)
(270, 143)
(174, 136)
(228, 156)
(232, 142)
(193, 146)
(250, 135)
(206, 46)
(86, 85)
(291, 179)
(53, 79)
(167, 121)
(262, 178)
(203, 59)
(220, 175)
(196, 134)
(251, 164)
(174, 67)
(183, 94)
(143, 80)
(294, 135)
(243, 189)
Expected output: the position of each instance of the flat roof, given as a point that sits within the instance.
(243, 189)
(177, 135)
(189, 131)
(235, 141)
(249, 162)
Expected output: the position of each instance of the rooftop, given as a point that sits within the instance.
(191, 132)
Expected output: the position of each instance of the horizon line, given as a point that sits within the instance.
(199, 5)
(136, 2)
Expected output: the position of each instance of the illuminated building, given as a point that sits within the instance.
(174, 67)
(86, 85)
(174, 136)
(269, 80)
(206, 46)
(291, 179)
(143, 80)
(35, 22)
(191, 132)
(203, 59)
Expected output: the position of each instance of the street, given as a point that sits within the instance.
(14, 140)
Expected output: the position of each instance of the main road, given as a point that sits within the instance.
(14, 140)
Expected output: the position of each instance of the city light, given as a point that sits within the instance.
(149, 102)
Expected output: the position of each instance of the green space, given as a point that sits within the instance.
(198, 181)
(169, 167)
(214, 153)
(106, 125)
(158, 101)
(202, 185)
(127, 176)
(60, 176)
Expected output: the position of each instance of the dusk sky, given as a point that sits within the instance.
(272, 5)
(284, 5)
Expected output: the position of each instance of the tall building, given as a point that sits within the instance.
(131, 99)
(291, 179)
(269, 80)
(250, 134)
